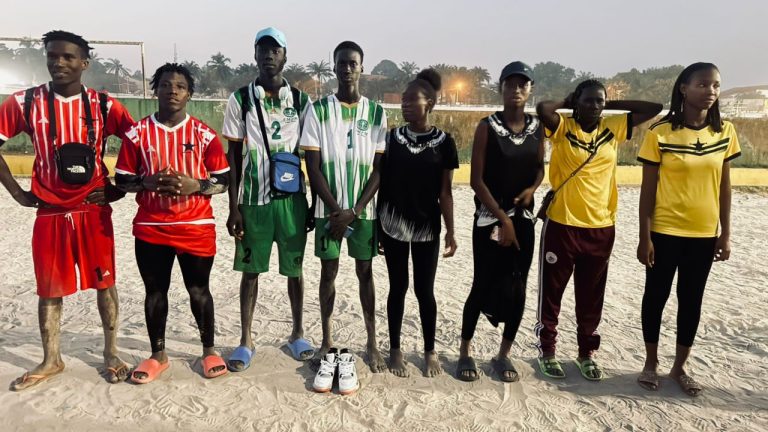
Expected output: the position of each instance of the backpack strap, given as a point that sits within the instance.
(103, 107)
(29, 97)
(245, 103)
(296, 94)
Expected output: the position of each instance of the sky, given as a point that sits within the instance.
(602, 36)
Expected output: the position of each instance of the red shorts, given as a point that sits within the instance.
(65, 238)
(199, 240)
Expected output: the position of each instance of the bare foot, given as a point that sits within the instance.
(37, 375)
(116, 369)
(397, 364)
(376, 361)
(433, 367)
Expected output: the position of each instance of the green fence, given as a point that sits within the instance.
(753, 133)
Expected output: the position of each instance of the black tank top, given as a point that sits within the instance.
(511, 160)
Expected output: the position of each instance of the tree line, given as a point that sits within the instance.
(218, 77)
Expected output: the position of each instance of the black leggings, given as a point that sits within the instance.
(424, 267)
(493, 264)
(692, 259)
(155, 264)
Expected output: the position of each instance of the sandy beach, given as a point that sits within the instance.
(730, 357)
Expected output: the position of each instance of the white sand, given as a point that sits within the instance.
(274, 394)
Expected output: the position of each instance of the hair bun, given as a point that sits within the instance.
(432, 77)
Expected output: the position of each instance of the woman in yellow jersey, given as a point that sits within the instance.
(686, 191)
(577, 238)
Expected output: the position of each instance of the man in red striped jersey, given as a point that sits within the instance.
(174, 163)
(73, 227)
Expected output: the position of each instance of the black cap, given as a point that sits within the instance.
(516, 68)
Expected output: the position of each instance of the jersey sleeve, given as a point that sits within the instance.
(310, 137)
(215, 159)
(734, 149)
(119, 120)
(649, 151)
(128, 158)
(304, 106)
(620, 126)
(559, 133)
(380, 139)
(234, 128)
(450, 154)
(11, 118)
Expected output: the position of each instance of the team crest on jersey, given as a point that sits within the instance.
(290, 115)
(362, 127)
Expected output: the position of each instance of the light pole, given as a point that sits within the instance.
(458, 89)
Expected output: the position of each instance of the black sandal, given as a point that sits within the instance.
(467, 364)
(503, 366)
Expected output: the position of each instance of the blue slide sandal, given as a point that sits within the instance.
(243, 355)
(301, 349)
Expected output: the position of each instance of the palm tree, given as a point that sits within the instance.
(244, 73)
(193, 68)
(479, 75)
(295, 74)
(219, 70)
(116, 67)
(33, 56)
(409, 69)
(320, 71)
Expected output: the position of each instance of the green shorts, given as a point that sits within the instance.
(282, 221)
(362, 244)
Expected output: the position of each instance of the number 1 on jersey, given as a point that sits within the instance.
(349, 139)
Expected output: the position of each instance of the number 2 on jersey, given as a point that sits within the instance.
(276, 134)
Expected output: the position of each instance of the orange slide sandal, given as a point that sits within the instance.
(151, 368)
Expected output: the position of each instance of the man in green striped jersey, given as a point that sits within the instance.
(343, 140)
(257, 216)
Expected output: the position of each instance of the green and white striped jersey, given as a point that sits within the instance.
(348, 138)
(284, 122)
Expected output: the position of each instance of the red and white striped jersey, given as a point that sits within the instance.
(191, 148)
(70, 127)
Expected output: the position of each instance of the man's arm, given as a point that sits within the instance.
(317, 181)
(25, 198)
(12, 123)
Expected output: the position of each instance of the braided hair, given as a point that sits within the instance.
(675, 115)
(586, 84)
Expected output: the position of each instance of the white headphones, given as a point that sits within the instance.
(284, 94)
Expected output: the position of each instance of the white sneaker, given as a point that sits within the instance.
(324, 379)
(348, 383)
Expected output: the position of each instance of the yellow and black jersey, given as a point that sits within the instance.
(589, 200)
(690, 168)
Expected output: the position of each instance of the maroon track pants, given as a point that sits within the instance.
(583, 252)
